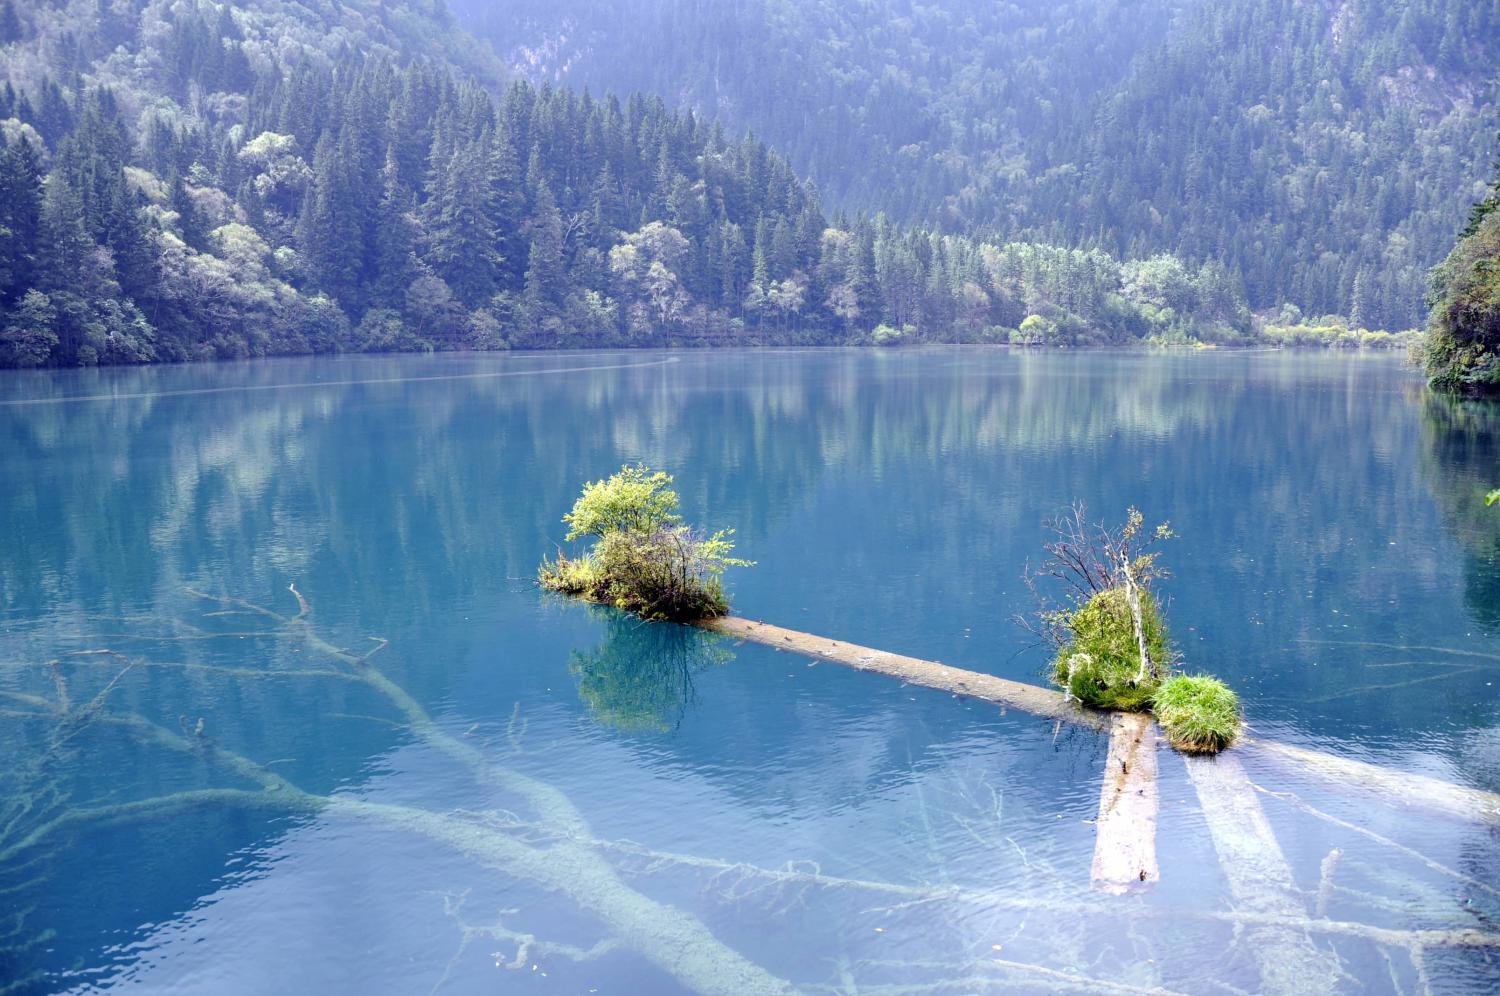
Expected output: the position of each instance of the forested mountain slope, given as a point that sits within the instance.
(1322, 150)
(1462, 350)
(197, 180)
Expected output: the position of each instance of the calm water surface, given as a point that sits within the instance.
(537, 779)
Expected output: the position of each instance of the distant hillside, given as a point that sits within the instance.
(195, 181)
(1320, 149)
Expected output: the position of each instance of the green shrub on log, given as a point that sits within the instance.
(644, 559)
(1100, 665)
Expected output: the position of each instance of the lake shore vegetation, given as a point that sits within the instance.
(1462, 351)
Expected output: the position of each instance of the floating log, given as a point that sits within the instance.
(1397, 788)
(930, 674)
(1125, 834)
(1400, 789)
(1260, 880)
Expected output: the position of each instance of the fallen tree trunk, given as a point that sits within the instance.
(1260, 880)
(930, 674)
(1393, 787)
(1125, 834)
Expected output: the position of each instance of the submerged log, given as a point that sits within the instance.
(1260, 880)
(1395, 788)
(1125, 834)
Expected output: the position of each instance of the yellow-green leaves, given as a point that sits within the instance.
(636, 500)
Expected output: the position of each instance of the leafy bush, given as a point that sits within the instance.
(636, 500)
(644, 560)
(1110, 620)
(1199, 714)
(1101, 664)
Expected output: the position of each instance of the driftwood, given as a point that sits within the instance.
(1400, 789)
(557, 850)
(675, 940)
(1393, 787)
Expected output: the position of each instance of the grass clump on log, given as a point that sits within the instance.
(644, 559)
(1198, 713)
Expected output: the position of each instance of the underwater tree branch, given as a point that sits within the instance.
(677, 941)
(1293, 799)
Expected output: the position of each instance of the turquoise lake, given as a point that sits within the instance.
(541, 796)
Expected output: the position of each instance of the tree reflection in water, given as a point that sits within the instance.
(640, 679)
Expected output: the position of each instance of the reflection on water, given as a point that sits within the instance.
(825, 827)
(640, 677)
(1463, 452)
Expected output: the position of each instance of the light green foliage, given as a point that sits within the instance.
(1335, 332)
(1101, 664)
(573, 575)
(1036, 330)
(644, 559)
(1492, 497)
(635, 500)
(1199, 714)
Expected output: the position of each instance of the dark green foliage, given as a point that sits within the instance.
(395, 190)
(1484, 208)
(1101, 664)
(20, 219)
(1462, 352)
(368, 197)
(10, 24)
(30, 334)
